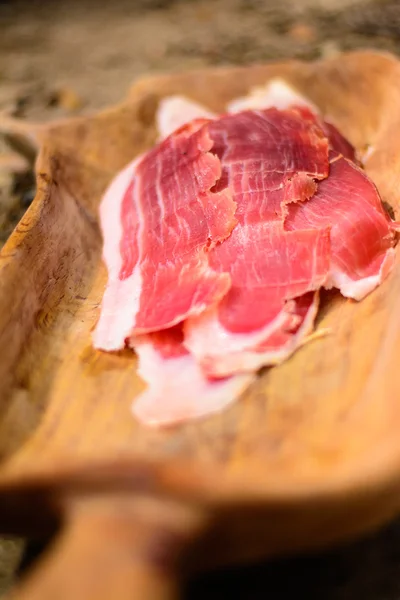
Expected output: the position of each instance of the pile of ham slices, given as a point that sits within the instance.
(218, 240)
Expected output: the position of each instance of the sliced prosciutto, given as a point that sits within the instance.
(177, 389)
(270, 160)
(218, 241)
(360, 257)
(159, 218)
(176, 111)
(269, 275)
(361, 232)
(278, 94)
(287, 332)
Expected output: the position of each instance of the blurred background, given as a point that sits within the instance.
(67, 57)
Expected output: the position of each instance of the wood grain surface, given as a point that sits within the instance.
(309, 455)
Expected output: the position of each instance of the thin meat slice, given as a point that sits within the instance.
(362, 234)
(159, 219)
(176, 111)
(339, 144)
(303, 311)
(279, 94)
(362, 240)
(287, 332)
(226, 231)
(177, 389)
(267, 267)
(269, 273)
(269, 158)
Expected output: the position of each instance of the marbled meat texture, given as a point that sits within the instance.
(169, 218)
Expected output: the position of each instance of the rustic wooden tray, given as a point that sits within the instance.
(310, 455)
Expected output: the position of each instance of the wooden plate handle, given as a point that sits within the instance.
(115, 548)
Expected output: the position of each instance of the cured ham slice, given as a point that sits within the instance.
(177, 389)
(359, 256)
(269, 158)
(159, 218)
(362, 238)
(212, 337)
(289, 177)
(361, 232)
(176, 111)
(260, 308)
(218, 241)
(338, 143)
(278, 94)
(268, 268)
(287, 332)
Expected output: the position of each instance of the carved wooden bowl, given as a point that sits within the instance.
(310, 455)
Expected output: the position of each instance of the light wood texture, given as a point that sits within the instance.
(309, 455)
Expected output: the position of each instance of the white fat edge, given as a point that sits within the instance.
(357, 289)
(177, 389)
(249, 361)
(277, 93)
(123, 297)
(205, 336)
(175, 111)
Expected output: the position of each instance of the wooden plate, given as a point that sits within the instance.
(310, 454)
